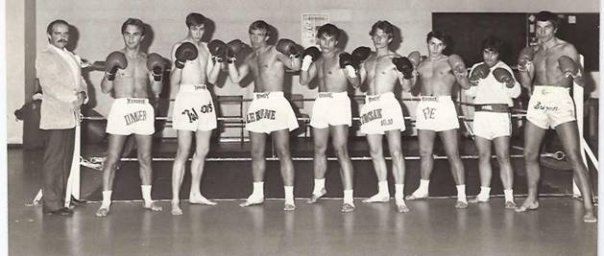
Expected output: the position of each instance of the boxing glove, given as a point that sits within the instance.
(288, 47)
(457, 65)
(415, 58)
(525, 58)
(309, 56)
(233, 48)
(217, 49)
(114, 61)
(186, 51)
(347, 62)
(504, 76)
(480, 72)
(156, 64)
(568, 67)
(360, 54)
(403, 65)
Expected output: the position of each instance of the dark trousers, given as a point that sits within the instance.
(56, 167)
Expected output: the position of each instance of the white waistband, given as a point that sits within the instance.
(434, 98)
(547, 89)
(332, 94)
(267, 95)
(192, 87)
(133, 100)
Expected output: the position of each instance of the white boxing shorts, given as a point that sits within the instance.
(550, 106)
(131, 115)
(436, 113)
(381, 113)
(194, 109)
(269, 112)
(331, 108)
(492, 121)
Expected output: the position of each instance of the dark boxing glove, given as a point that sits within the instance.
(186, 51)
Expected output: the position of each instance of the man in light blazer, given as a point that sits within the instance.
(64, 91)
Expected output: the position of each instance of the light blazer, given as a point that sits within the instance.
(56, 77)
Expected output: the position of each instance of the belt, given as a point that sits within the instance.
(500, 108)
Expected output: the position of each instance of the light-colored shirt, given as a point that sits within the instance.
(490, 91)
(71, 59)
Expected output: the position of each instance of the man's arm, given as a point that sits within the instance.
(526, 68)
(51, 83)
(236, 74)
(308, 75)
(572, 69)
(290, 54)
(459, 71)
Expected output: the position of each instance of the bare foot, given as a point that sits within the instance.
(377, 198)
(252, 200)
(510, 205)
(401, 206)
(152, 206)
(417, 195)
(314, 198)
(461, 204)
(176, 209)
(102, 212)
(528, 205)
(289, 207)
(347, 207)
(589, 217)
(478, 199)
(200, 200)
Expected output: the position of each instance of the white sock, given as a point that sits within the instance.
(461, 192)
(383, 188)
(348, 199)
(485, 192)
(146, 189)
(398, 191)
(258, 189)
(106, 199)
(509, 195)
(423, 186)
(289, 194)
(319, 185)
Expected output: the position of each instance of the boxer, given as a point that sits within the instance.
(269, 112)
(129, 75)
(494, 89)
(194, 112)
(382, 113)
(331, 110)
(552, 66)
(436, 112)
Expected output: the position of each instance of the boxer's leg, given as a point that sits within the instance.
(178, 168)
(340, 145)
(379, 164)
(197, 166)
(320, 138)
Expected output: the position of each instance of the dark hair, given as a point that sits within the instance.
(195, 19)
(492, 43)
(330, 30)
(440, 35)
(260, 25)
(385, 26)
(53, 23)
(548, 16)
(134, 22)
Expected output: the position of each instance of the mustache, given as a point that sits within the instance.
(62, 41)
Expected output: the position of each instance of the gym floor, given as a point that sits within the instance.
(433, 227)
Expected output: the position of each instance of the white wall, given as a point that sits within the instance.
(98, 24)
(15, 73)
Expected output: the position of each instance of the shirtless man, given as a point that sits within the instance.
(494, 87)
(382, 112)
(552, 66)
(436, 112)
(331, 110)
(129, 73)
(193, 107)
(269, 112)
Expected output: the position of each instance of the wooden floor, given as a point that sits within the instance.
(433, 227)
